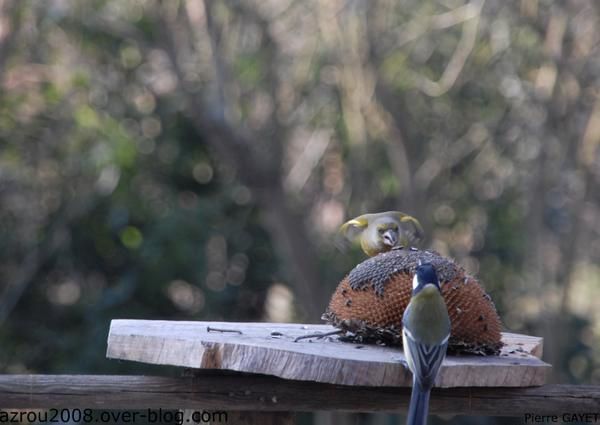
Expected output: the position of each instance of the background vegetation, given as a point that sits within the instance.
(192, 160)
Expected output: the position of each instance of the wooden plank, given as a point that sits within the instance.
(238, 418)
(261, 418)
(229, 392)
(269, 348)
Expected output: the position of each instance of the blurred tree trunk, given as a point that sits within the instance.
(256, 159)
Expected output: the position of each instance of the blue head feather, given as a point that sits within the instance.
(426, 274)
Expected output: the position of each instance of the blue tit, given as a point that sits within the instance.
(380, 232)
(425, 333)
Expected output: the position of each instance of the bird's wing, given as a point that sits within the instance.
(352, 228)
(424, 360)
(411, 221)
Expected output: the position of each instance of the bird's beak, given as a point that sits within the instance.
(390, 238)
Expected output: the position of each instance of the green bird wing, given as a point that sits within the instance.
(409, 223)
(352, 229)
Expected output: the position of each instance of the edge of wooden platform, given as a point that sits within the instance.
(269, 348)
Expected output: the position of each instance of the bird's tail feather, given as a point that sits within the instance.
(419, 406)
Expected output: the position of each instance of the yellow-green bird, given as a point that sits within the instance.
(380, 232)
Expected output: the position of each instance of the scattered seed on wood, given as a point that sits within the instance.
(319, 335)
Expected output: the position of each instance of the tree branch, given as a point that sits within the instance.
(458, 59)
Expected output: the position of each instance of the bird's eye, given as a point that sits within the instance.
(381, 230)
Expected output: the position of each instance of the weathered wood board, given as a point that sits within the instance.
(269, 348)
(217, 390)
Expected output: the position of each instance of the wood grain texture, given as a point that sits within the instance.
(227, 391)
(261, 418)
(269, 348)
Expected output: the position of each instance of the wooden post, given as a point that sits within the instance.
(243, 418)
(230, 392)
(261, 418)
(239, 417)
